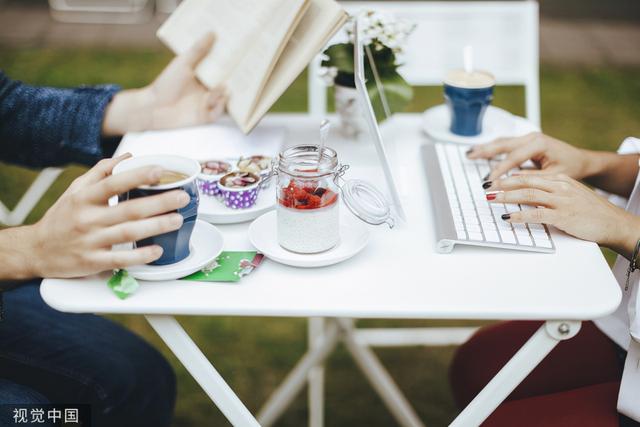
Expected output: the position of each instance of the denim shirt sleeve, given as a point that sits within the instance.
(41, 126)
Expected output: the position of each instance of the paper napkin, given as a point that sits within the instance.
(228, 267)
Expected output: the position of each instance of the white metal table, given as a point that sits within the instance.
(398, 276)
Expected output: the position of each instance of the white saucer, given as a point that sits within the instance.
(206, 245)
(215, 212)
(498, 123)
(354, 236)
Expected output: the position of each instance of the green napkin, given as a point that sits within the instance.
(229, 267)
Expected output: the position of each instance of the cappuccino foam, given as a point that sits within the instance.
(473, 80)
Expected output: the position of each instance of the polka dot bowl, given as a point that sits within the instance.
(208, 185)
(239, 198)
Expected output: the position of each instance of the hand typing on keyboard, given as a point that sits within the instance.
(550, 155)
(474, 220)
(557, 199)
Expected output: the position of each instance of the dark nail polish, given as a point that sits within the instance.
(486, 177)
(469, 151)
(491, 196)
(506, 217)
(486, 184)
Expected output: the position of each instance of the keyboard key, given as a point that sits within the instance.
(492, 236)
(543, 243)
(524, 239)
(474, 227)
(462, 235)
(507, 236)
(475, 236)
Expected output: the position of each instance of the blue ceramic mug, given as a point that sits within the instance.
(468, 95)
(175, 244)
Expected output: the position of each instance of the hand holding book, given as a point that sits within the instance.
(261, 46)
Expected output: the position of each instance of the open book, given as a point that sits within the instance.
(261, 46)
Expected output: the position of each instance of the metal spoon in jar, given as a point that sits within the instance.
(325, 126)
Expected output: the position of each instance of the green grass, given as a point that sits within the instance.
(593, 108)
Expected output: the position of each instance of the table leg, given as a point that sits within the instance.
(515, 371)
(316, 334)
(379, 378)
(202, 371)
(296, 379)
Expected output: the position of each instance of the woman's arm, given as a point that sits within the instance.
(613, 173)
(571, 206)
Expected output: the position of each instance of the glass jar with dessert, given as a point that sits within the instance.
(309, 190)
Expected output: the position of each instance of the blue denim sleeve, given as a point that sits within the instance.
(41, 126)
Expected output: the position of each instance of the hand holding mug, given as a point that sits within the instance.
(75, 236)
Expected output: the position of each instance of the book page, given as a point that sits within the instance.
(235, 24)
(323, 19)
(246, 83)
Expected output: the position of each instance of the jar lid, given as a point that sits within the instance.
(367, 203)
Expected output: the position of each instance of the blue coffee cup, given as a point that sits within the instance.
(175, 244)
(468, 95)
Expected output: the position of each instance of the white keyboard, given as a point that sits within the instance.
(468, 217)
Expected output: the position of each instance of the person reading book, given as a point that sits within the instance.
(263, 46)
(49, 356)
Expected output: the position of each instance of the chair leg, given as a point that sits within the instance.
(296, 379)
(30, 199)
(515, 371)
(316, 333)
(407, 337)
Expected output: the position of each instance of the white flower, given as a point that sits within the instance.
(380, 27)
(328, 75)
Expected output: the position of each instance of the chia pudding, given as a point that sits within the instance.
(308, 218)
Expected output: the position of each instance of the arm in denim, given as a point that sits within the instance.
(41, 126)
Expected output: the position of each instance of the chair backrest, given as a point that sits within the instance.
(504, 36)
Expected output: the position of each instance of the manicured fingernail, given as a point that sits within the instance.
(506, 217)
(469, 151)
(491, 196)
(487, 184)
(123, 156)
(158, 251)
(486, 177)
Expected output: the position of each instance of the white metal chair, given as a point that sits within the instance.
(504, 35)
(30, 199)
